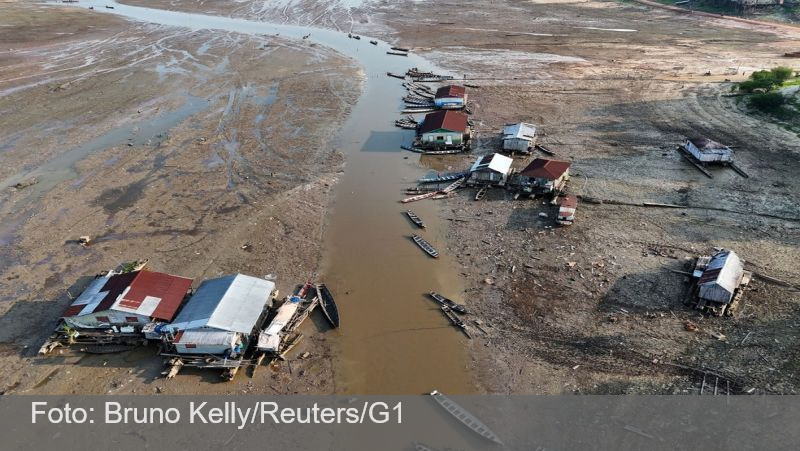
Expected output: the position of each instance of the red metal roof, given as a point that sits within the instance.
(447, 120)
(170, 289)
(450, 91)
(546, 169)
(115, 286)
(569, 201)
(73, 310)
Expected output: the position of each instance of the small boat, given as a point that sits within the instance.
(455, 320)
(443, 177)
(415, 219)
(465, 417)
(373, 42)
(401, 49)
(356, 37)
(397, 53)
(425, 246)
(459, 308)
(402, 77)
(329, 308)
(109, 7)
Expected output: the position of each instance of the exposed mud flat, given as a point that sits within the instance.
(173, 145)
(587, 309)
(592, 308)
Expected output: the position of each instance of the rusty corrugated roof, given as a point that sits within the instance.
(163, 293)
(447, 120)
(450, 91)
(546, 169)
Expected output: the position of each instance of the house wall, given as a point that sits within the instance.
(449, 102)
(431, 138)
(722, 157)
(487, 176)
(210, 343)
(715, 292)
(528, 183)
(516, 144)
(115, 318)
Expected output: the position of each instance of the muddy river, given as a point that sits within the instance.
(393, 340)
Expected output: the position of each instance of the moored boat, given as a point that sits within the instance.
(425, 246)
(329, 308)
(459, 308)
(415, 219)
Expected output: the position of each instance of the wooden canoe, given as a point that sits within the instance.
(465, 417)
(459, 308)
(425, 246)
(455, 320)
(329, 308)
(415, 219)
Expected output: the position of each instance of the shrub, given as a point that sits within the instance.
(781, 74)
(770, 102)
(766, 80)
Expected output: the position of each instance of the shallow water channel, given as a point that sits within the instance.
(393, 339)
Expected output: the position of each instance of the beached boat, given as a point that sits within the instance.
(425, 246)
(329, 308)
(455, 320)
(402, 77)
(481, 193)
(465, 417)
(415, 219)
(401, 49)
(459, 308)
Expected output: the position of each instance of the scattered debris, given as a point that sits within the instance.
(25, 183)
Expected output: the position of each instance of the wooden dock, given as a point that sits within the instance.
(689, 157)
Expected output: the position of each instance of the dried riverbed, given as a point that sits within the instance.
(174, 145)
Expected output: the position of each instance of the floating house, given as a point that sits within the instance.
(490, 169)
(129, 300)
(450, 97)
(544, 176)
(708, 151)
(720, 277)
(444, 129)
(519, 137)
(566, 210)
(221, 316)
(718, 281)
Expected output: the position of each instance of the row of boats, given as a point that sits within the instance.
(450, 308)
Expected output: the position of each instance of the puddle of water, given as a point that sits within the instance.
(394, 340)
(62, 167)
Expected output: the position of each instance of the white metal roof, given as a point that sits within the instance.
(521, 130)
(231, 303)
(91, 296)
(721, 277)
(496, 162)
(208, 337)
